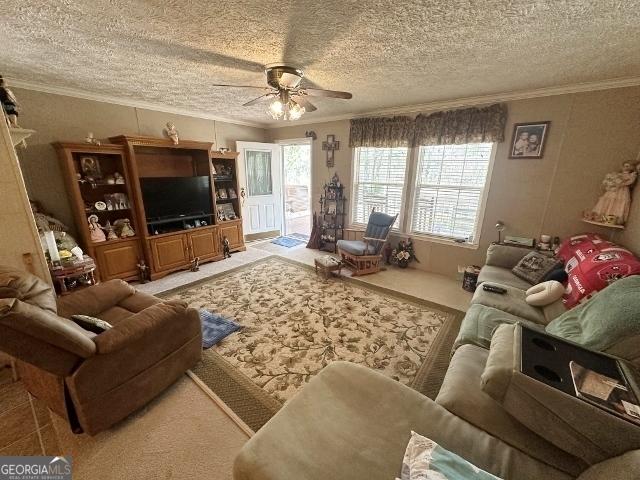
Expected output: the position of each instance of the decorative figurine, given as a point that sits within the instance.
(91, 139)
(195, 264)
(97, 235)
(614, 204)
(118, 178)
(172, 133)
(143, 271)
(124, 224)
(111, 234)
(9, 104)
(225, 247)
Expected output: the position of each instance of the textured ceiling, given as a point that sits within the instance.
(387, 53)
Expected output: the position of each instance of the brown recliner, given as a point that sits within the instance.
(94, 380)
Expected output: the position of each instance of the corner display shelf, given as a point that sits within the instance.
(19, 134)
(602, 224)
(333, 216)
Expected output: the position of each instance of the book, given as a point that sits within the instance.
(614, 395)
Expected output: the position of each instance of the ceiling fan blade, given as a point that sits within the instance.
(319, 92)
(261, 98)
(303, 102)
(238, 86)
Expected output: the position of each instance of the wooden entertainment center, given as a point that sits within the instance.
(153, 168)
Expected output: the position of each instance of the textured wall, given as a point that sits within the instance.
(60, 118)
(591, 134)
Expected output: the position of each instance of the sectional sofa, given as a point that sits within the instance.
(352, 423)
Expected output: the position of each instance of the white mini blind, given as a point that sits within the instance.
(378, 181)
(449, 189)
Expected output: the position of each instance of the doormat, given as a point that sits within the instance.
(215, 327)
(287, 241)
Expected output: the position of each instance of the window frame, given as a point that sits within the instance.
(410, 189)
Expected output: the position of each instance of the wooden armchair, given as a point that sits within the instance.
(364, 256)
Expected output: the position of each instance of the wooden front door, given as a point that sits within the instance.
(204, 243)
(170, 252)
(119, 260)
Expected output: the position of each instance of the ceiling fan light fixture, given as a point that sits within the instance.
(295, 111)
(276, 109)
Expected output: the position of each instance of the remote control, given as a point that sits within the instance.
(494, 289)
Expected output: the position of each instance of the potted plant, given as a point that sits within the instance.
(404, 253)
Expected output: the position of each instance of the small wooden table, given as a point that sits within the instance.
(74, 269)
(328, 264)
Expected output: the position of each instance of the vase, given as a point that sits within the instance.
(403, 263)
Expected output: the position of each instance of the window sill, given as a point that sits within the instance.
(421, 237)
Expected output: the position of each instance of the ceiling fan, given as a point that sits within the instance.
(289, 97)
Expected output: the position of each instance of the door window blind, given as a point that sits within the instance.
(379, 177)
(449, 189)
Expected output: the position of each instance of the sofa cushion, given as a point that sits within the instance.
(462, 395)
(505, 256)
(502, 276)
(609, 322)
(480, 322)
(513, 302)
(535, 266)
(91, 324)
(27, 288)
(351, 423)
(622, 467)
(357, 247)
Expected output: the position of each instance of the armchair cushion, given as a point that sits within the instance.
(92, 301)
(46, 326)
(26, 287)
(357, 247)
(505, 256)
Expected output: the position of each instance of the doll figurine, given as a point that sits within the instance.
(225, 247)
(125, 228)
(111, 234)
(172, 133)
(143, 271)
(614, 204)
(97, 235)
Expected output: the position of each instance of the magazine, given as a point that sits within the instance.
(605, 392)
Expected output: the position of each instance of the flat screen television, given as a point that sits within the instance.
(174, 197)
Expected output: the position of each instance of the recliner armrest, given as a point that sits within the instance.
(95, 299)
(505, 256)
(142, 324)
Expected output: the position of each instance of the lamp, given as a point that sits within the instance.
(500, 226)
(285, 108)
(50, 241)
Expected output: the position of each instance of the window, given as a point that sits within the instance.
(449, 189)
(444, 201)
(378, 182)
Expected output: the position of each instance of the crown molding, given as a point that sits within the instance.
(472, 101)
(72, 92)
(407, 109)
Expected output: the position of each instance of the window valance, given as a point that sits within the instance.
(457, 127)
(381, 132)
(453, 127)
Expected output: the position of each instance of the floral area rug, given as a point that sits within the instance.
(295, 323)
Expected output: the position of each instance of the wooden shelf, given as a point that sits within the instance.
(602, 224)
(112, 242)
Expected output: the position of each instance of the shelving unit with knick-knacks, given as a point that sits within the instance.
(100, 192)
(333, 214)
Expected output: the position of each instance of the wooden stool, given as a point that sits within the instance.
(328, 264)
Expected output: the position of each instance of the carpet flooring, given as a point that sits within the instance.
(295, 324)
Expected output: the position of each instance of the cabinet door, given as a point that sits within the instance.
(170, 252)
(204, 243)
(119, 260)
(233, 231)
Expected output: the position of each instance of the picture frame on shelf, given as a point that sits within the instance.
(232, 193)
(222, 194)
(90, 167)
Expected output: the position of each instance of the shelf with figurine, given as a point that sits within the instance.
(333, 211)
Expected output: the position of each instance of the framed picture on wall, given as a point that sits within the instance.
(529, 139)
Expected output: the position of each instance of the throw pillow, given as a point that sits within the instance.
(424, 459)
(92, 324)
(544, 293)
(534, 266)
(215, 328)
